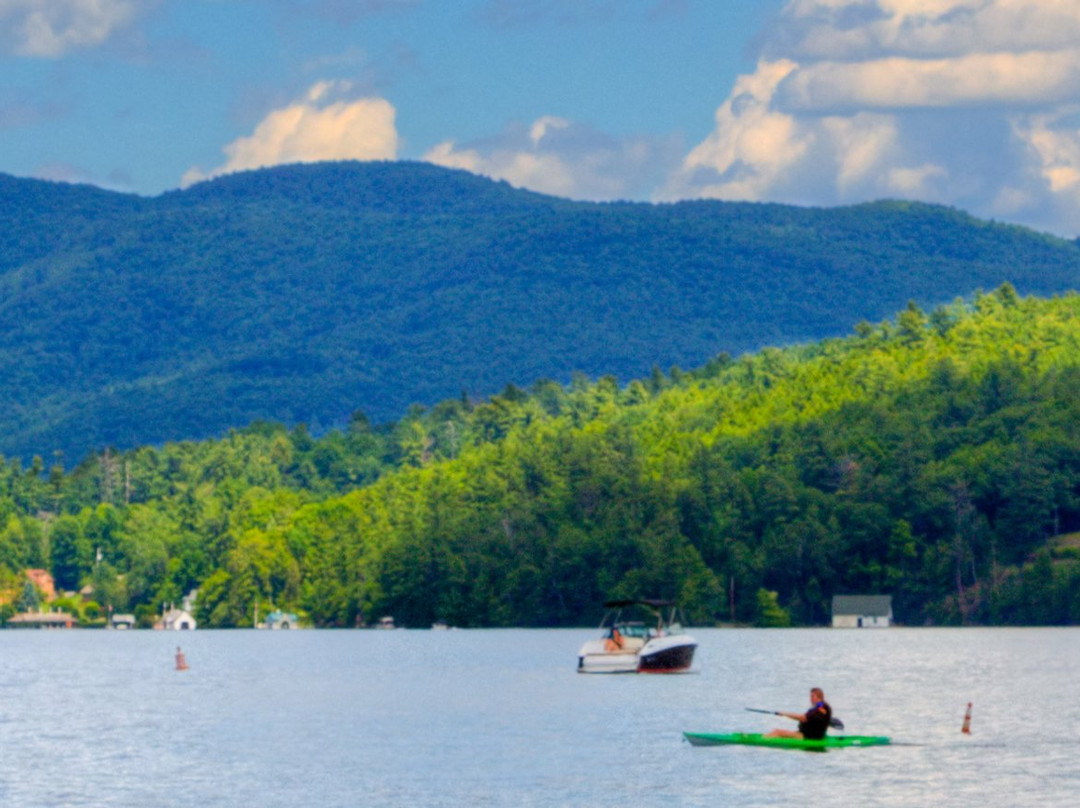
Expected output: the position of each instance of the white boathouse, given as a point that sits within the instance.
(176, 620)
(862, 611)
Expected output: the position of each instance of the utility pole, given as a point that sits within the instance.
(107, 471)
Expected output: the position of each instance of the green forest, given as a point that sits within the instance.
(298, 294)
(934, 456)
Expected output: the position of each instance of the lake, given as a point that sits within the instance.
(501, 718)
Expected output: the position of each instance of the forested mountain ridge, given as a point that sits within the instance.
(305, 293)
(934, 457)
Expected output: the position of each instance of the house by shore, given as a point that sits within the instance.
(176, 620)
(862, 611)
(43, 620)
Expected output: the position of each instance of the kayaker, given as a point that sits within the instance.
(813, 724)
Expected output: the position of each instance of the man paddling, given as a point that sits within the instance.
(813, 724)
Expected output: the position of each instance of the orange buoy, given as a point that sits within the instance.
(181, 662)
(966, 729)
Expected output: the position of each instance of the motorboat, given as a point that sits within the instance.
(628, 645)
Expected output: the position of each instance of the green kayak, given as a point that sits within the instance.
(757, 739)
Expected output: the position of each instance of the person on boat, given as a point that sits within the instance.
(813, 724)
(614, 640)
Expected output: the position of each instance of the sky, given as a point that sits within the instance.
(968, 103)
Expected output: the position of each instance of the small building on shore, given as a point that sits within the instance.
(176, 620)
(43, 620)
(862, 611)
(278, 620)
(122, 621)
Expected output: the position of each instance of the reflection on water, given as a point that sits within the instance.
(502, 718)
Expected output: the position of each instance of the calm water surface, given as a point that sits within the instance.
(500, 718)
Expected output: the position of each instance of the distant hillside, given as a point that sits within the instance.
(304, 293)
(933, 457)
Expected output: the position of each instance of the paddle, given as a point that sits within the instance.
(835, 723)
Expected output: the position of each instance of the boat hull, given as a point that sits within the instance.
(605, 664)
(667, 655)
(659, 655)
(757, 739)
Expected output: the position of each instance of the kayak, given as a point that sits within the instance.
(757, 739)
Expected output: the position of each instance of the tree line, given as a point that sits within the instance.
(934, 456)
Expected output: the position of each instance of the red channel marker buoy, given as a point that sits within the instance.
(966, 729)
(181, 662)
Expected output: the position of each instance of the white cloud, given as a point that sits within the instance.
(978, 78)
(312, 129)
(1055, 145)
(974, 103)
(546, 173)
(753, 145)
(543, 125)
(859, 29)
(916, 182)
(51, 28)
(559, 157)
(863, 143)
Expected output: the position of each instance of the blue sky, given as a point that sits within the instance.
(971, 103)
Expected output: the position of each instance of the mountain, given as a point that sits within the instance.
(305, 293)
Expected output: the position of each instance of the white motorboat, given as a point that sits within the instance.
(632, 646)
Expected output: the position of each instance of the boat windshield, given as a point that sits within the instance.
(633, 626)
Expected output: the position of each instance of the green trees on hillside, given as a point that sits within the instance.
(935, 457)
